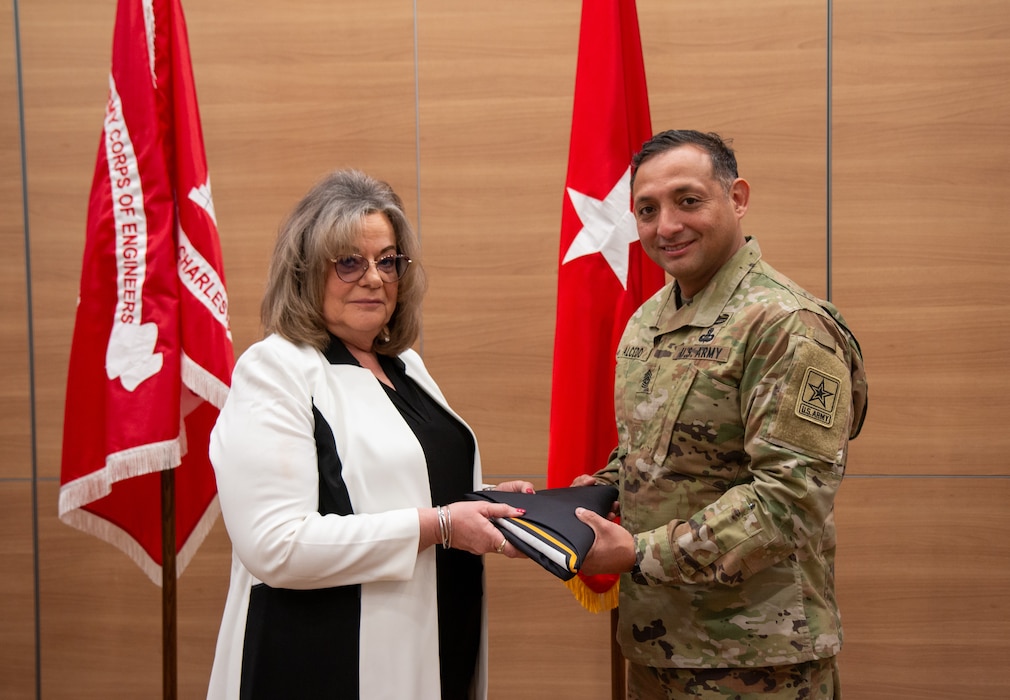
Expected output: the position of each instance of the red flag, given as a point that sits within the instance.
(603, 274)
(152, 355)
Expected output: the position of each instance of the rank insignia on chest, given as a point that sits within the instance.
(647, 379)
(817, 397)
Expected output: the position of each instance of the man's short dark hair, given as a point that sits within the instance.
(723, 158)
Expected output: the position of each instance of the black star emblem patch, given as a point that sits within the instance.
(817, 398)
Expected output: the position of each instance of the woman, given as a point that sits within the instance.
(330, 452)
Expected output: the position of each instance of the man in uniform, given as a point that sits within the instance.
(737, 393)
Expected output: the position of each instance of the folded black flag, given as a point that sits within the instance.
(549, 533)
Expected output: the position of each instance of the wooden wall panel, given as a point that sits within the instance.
(923, 594)
(922, 146)
(15, 424)
(17, 591)
(66, 48)
(17, 582)
(755, 73)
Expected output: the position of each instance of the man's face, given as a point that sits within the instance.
(688, 223)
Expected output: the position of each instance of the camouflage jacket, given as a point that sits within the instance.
(734, 414)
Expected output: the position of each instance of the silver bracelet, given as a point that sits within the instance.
(443, 528)
(447, 542)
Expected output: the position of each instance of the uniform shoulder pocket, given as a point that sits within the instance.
(813, 413)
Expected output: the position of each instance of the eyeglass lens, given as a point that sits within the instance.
(351, 268)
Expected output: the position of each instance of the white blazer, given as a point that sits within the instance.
(264, 457)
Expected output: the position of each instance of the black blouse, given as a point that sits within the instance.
(304, 643)
(449, 452)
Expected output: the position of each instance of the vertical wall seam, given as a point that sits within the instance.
(417, 151)
(828, 154)
(31, 351)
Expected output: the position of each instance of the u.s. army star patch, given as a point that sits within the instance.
(817, 397)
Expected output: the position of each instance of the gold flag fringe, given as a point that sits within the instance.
(591, 600)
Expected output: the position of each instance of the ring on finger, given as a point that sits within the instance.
(501, 548)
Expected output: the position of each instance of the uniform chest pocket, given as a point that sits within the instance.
(709, 433)
(688, 421)
(652, 405)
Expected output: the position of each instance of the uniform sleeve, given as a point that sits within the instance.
(264, 458)
(796, 404)
(610, 474)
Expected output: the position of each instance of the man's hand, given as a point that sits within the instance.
(613, 551)
(516, 486)
(590, 480)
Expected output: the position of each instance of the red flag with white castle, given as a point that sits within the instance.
(603, 274)
(152, 354)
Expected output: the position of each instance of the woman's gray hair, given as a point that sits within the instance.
(324, 225)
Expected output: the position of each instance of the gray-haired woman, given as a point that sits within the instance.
(357, 570)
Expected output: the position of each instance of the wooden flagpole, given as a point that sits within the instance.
(618, 682)
(168, 589)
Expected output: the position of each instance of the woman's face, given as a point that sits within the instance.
(355, 312)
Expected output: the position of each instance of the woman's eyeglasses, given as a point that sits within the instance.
(351, 268)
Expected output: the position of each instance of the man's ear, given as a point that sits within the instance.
(739, 192)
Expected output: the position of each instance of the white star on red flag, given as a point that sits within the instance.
(608, 227)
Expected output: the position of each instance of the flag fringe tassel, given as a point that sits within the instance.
(146, 459)
(105, 530)
(119, 466)
(591, 600)
(203, 383)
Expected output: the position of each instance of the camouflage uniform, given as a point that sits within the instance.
(734, 414)
(810, 680)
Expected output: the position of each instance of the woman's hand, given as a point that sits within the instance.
(472, 530)
(469, 523)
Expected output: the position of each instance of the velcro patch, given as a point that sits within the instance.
(813, 399)
(818, 397)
